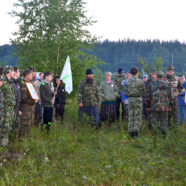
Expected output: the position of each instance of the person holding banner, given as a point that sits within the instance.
(47, 100)
(28, 100)
(59, 100)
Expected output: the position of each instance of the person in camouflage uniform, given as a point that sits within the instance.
(8, 103)
(160, 97)
(119, 81)
(89, 98)
(134, 90)
(124, 98)
(26, 107)
(153, 78)
(1, 108)
(172, 81)
(17, 93)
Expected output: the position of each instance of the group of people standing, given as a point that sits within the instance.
(161, 99)
(19, 111)
(156, 98)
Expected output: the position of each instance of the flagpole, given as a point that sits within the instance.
(53, 99)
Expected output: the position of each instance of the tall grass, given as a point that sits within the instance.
(77, 154)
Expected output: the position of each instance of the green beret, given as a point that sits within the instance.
(8, 69)
(170, 68)
(160, 74)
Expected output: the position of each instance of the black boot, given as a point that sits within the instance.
(135, 134)
(131, 134)
(164, 134)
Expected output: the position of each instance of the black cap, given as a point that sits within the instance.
(120, 71)
(170, 67)
(89, 71)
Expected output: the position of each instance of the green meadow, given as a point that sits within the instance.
(77, 154)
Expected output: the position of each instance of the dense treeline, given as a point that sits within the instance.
(125, 53)
(7, 55)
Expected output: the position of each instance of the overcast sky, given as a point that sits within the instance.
(119, 19)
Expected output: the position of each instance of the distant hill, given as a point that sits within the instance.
(7, 55)
(124, 53)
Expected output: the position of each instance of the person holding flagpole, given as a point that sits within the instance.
(60, 100)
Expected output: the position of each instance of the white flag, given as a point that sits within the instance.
(66, 76)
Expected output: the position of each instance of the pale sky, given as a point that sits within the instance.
(119, 19)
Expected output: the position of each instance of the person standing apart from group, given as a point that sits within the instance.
(109, 94)
(134, 90)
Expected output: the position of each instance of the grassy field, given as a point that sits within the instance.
(74, 154)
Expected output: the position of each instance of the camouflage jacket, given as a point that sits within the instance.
(173, 83)
(109, 91)
(119, 81)
(88, 93)
(160, 96)
(26, 100)
(8, 93)
(135, 87)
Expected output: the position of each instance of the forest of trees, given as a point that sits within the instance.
(125, 53)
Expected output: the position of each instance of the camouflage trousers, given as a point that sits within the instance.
(135, 114)
(6, 125)
(15, 127)
(126, 111)
(159, 120)
(27, 120)
(174, 112)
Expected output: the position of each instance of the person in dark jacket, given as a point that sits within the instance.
(59, 100)
(47, 100)
(17, 112)
(182, 101)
